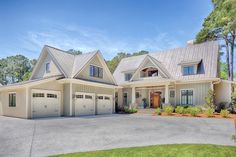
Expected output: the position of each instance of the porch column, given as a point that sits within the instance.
(166, 94)
(133, 95)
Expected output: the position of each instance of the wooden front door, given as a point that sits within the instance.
(156, 100)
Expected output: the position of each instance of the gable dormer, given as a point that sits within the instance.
(190, 67)
(150, 68)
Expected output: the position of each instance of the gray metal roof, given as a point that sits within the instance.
(70, 64)
(206, 52)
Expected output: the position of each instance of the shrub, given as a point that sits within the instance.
(168, 109)
(224, 113)
(185, 111)
(209, 112)
(129, 111)
(194, 111)
(158, 111)
(179, 109)
(209, 100)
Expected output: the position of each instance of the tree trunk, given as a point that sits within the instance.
(227, 56)
(232, 56)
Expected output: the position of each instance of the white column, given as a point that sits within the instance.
(166, 94)
(71, 97)
(133, 95)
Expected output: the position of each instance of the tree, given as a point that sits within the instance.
(15, 69)
(221, 25)
(209, 100)
(74, 52)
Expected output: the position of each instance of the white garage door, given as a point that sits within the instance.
(45, 103)
(84, 104)
(104, 104)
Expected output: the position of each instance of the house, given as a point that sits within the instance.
(62, 84)
(180, 76)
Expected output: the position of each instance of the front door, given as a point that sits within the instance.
(156, 100)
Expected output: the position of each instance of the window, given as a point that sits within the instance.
(95, 71)
(172, 94)
(137, 95)
(79, 96)
(51, 95)
(189, 70)
(100, 97)
(125, 98)
(38, 95)
(12, 100)
(88, 97)
(187, 97)
(107, 98)
(128, 76)
(47, 68)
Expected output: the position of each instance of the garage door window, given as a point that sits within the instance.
(12, 100)
(79, 96)
(38, 95)
(100, 97)
(107, 98)
(51, 95)
(88, 97)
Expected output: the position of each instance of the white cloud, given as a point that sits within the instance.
(87, 39)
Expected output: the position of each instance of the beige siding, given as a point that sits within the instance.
(222, 92)
(47, 86)
(85, 72)
(200, 91)
(0, 105)
(41, 73)
(20, 109)
(91, 89)
(66, 97)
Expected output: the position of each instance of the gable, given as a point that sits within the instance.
(148, 62)
(96, 61)
(40, 71)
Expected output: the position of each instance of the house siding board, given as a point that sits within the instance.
(200, 91)
(66, 97)
(41, 73)
(20, 110)
(222, 92)
(90, 89)
(84, 74)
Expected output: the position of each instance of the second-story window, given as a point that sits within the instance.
(128, 76)
(96, 71)
(188, 70)
(47, 68)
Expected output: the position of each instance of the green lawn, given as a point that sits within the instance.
(174, 150)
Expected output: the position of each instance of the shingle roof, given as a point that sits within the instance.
(70, 64)
(206, 52)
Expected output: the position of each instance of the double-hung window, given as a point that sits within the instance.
(125, 98)
(128, 76)
(187, 97)
(95, 71)
(12, 99)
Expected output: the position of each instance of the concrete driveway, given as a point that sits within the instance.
(42, 137)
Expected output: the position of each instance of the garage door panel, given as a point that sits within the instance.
(84, 104)
(45, 103)
(104, 104)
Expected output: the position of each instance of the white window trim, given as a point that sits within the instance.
(48, 63)
(181, 95)
(8, 98)
(98, 67)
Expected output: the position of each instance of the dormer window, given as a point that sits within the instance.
(128, 76)
(188, 70)
(47, 68)
(95, 71)
(190, 67)
(149, 72)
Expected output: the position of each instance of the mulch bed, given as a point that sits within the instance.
(216, 115)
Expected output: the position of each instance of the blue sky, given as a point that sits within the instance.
(108, 25)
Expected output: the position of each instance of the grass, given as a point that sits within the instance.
(174, 150)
